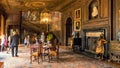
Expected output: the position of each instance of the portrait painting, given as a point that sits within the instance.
(78, 13)
(77, 25)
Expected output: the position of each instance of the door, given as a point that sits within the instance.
(68, 30)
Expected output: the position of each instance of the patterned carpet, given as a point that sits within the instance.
(67, 59)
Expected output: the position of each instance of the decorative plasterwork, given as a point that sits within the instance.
(34, 4)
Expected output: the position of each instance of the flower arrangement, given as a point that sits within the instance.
(49, 37)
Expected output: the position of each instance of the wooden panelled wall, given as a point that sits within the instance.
(13, 21)
(103, 20)
(116, 18)
(3, 17)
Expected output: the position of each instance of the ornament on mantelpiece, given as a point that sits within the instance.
(118, 36)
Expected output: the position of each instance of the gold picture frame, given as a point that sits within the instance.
(78, 14)
(77, 25)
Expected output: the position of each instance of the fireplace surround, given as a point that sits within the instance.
(90, 40)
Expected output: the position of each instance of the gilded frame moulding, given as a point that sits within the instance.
(77, 25)
(78, 14)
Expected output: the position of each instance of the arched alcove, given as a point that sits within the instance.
(93, 9)
(68, 29)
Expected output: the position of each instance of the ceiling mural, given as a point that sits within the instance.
(34, 4)
(31, 15)
(31, 10)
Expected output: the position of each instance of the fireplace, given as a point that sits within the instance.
(91, 37)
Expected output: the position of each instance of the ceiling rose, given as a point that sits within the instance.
(34, 4)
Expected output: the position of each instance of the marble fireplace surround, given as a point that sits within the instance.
(91, 37)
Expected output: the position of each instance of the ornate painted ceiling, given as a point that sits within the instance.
(34, 4)
(11, 6)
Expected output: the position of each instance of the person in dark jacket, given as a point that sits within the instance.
(14, 44)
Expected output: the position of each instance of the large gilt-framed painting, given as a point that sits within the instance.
(78, 14)
(77, 25)
(31, 15)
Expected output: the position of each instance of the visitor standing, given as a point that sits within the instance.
(28, 40)
(42, 38)
(14, 43)
(9, 46)
(3, 42)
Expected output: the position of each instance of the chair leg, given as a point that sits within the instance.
(42, 57)
(38, 59)
(49, 58)
(31, 59)
(57, 58)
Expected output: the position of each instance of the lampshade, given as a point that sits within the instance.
(45, 17)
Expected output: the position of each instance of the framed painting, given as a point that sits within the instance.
(31, 15)
(78, 14)
(77, 25)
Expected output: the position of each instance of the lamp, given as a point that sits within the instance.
(45, 18)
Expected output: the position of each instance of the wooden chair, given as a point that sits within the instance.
(54, 53)
(45, 52)
(36, 52)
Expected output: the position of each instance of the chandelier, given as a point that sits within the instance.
(45, 17)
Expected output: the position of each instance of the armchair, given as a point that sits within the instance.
(54, 52)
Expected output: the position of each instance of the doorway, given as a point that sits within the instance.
(68, 30)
